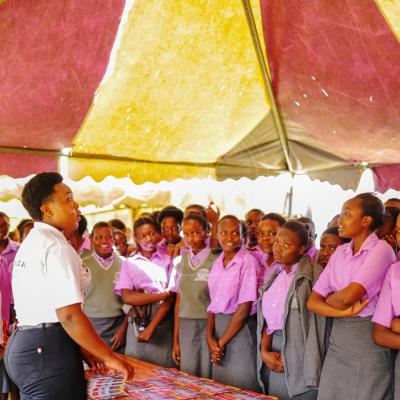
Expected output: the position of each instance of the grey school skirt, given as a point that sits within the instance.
(275, 381)
(159, 349)
(195, 357)
(106, 328)
(355, 367)
(239, 362)
(397, 377)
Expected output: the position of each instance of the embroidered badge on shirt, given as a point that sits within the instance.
(202, 275)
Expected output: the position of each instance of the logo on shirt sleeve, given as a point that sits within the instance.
(19, 264)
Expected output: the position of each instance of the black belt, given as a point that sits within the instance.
(39, 326)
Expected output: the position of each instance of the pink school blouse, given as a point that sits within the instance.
(367, 267)
(388, 306)
(274, 299)
(233, 285)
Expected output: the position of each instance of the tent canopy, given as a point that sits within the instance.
(160, 90)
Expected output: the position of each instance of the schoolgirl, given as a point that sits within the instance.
(348, 290)
(143, 284)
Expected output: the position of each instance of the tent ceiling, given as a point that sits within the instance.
(183, 93)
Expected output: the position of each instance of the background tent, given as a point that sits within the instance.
(167, 89)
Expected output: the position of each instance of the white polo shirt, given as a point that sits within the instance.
(46, 276)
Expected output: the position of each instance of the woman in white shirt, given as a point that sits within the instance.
(44, 356)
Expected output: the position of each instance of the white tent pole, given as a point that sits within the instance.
(267, 84)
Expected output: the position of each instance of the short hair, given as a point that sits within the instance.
(299, 229)
(306, 220)
(21, 226)
(201, 208)
(171, 211)
(4, 215)
(274, 217)
(335, 231)
(118, 232)
(394, 199)
(199, 218)
(117, 224)
(392, 213)
(235, 218)
(257, 210)
(146, 221)
(372, 207)
(101, 224)
(37, 191)
(82, 226)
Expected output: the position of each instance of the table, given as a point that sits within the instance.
(155, 382)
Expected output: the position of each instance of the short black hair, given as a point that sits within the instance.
(146, 220)
(257, 210)
(335, 231)
(22, 224)
(117, 224)
(309, 221)
(171, 211)
(201, 208)
(299, 229)
(37, 191)
(82, 226)
(372, 207)
(4, 215)
(235, 218)
(199, 218)
(101, 224)
(391, 213)
(275, 217)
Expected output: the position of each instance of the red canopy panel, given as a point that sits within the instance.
(21, 165)
(387, 177)
(335, 69)
(53, 55)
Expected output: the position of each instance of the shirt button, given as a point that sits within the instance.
(274, 305)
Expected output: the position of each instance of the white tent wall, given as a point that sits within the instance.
(114, 198)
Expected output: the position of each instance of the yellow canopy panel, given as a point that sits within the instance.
(185, 88)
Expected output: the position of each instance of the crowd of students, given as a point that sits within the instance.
(252, 303)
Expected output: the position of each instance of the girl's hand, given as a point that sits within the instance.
(273, 360)
(119, 338)
(212, 213)
(145, 335)
(356, 308)
(176, 353)
(395, 326)
(216, 352)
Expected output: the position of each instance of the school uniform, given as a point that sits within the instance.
(43, 361)
(388, 307)
(265, 271)
(192, 285)
(101, 304)
(355, 367)
(161, 258)
(312, 252)
(8, 256)
(141, 274)
(298, 334)
(230, 286)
